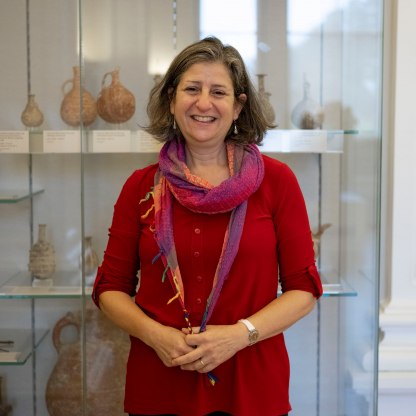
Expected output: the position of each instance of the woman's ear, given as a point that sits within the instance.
(241, 99)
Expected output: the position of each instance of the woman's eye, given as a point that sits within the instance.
(218, 93)
(191, 89)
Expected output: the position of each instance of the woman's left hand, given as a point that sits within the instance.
(212, 347)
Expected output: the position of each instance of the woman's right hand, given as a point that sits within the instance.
(169, 343)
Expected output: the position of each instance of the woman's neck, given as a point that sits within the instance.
(210, 164)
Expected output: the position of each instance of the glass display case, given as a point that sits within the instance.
(67, 146)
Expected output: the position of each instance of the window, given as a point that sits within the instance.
(234, 22)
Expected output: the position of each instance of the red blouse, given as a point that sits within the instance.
(276, 241)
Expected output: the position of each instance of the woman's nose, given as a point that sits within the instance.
(204, 100)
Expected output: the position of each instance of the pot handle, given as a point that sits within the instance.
(65, 84)
(114, 77)
(68, 319)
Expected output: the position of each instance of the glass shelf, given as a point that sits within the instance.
(338, 289)
(16, 345)
(67, 284)
(341, 289)
(304, 141)
(138, 141)
(14, 196)
(63, 284)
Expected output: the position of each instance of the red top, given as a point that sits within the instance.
(276, 240)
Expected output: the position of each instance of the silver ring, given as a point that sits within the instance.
(203, 364)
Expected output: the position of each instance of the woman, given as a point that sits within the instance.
(211, 227)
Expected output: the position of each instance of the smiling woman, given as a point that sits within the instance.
(192, 223)
(204, 105)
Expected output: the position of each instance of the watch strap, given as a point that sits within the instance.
(248, 324)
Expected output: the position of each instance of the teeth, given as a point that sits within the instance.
(204, 118)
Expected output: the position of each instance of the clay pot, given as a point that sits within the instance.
(265, 99)
(91, 261)
(32, 116)
(5, 409)
(115, 103)
(106, 351)
(42, 256)
(71, 104)
(316, 238)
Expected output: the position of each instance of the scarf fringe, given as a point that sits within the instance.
(146, 198)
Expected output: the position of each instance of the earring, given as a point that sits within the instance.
(174, 124)
(235, 127)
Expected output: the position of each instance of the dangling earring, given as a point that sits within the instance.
(174, 124)
(235, 127)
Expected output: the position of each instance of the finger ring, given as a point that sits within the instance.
(203, 364)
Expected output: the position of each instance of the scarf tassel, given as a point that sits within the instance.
(146, 198)
(212, 378)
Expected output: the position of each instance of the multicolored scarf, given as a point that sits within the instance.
(174, 179)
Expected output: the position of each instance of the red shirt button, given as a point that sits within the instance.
(197, 231)
(198, 301)
(196, 253)
(199, 279)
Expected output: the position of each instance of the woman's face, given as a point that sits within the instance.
(204, 105)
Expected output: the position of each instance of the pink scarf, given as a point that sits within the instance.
(174, 178)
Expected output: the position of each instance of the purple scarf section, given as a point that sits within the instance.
(174, 179)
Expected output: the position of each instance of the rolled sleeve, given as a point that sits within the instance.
(307, 280)
(121, 263)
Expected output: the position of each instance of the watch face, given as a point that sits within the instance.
(253, 336)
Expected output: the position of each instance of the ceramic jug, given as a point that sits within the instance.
(32, 116)
(265, 99)
(91, 261)
(115, 103)
(106, 351)
(42, 256)
(71, 104)
(5, 409)
(316, 238)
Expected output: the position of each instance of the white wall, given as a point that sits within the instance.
(397, 353)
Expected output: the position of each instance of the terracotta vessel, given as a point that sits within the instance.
(115, 103)
(32, 116)
(105, 357)
(71, 104)
(307, 114)
(265, 99)
(5, 409)
(316, 238)
(42, 256)
(91, 261)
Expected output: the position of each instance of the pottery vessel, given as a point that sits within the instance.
(265, 99)
(106, 351)
(5, 409)
(316, 238)
(42, 256)
(115, 103)
(32, 116)
(307, 114)
(71, 104)
(91, 261)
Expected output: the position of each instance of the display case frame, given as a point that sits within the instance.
(69, 177)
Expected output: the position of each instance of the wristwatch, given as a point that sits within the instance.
(253, 334)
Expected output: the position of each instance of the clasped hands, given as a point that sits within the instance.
(200, 352)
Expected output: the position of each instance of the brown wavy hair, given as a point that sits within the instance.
(251, 123)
